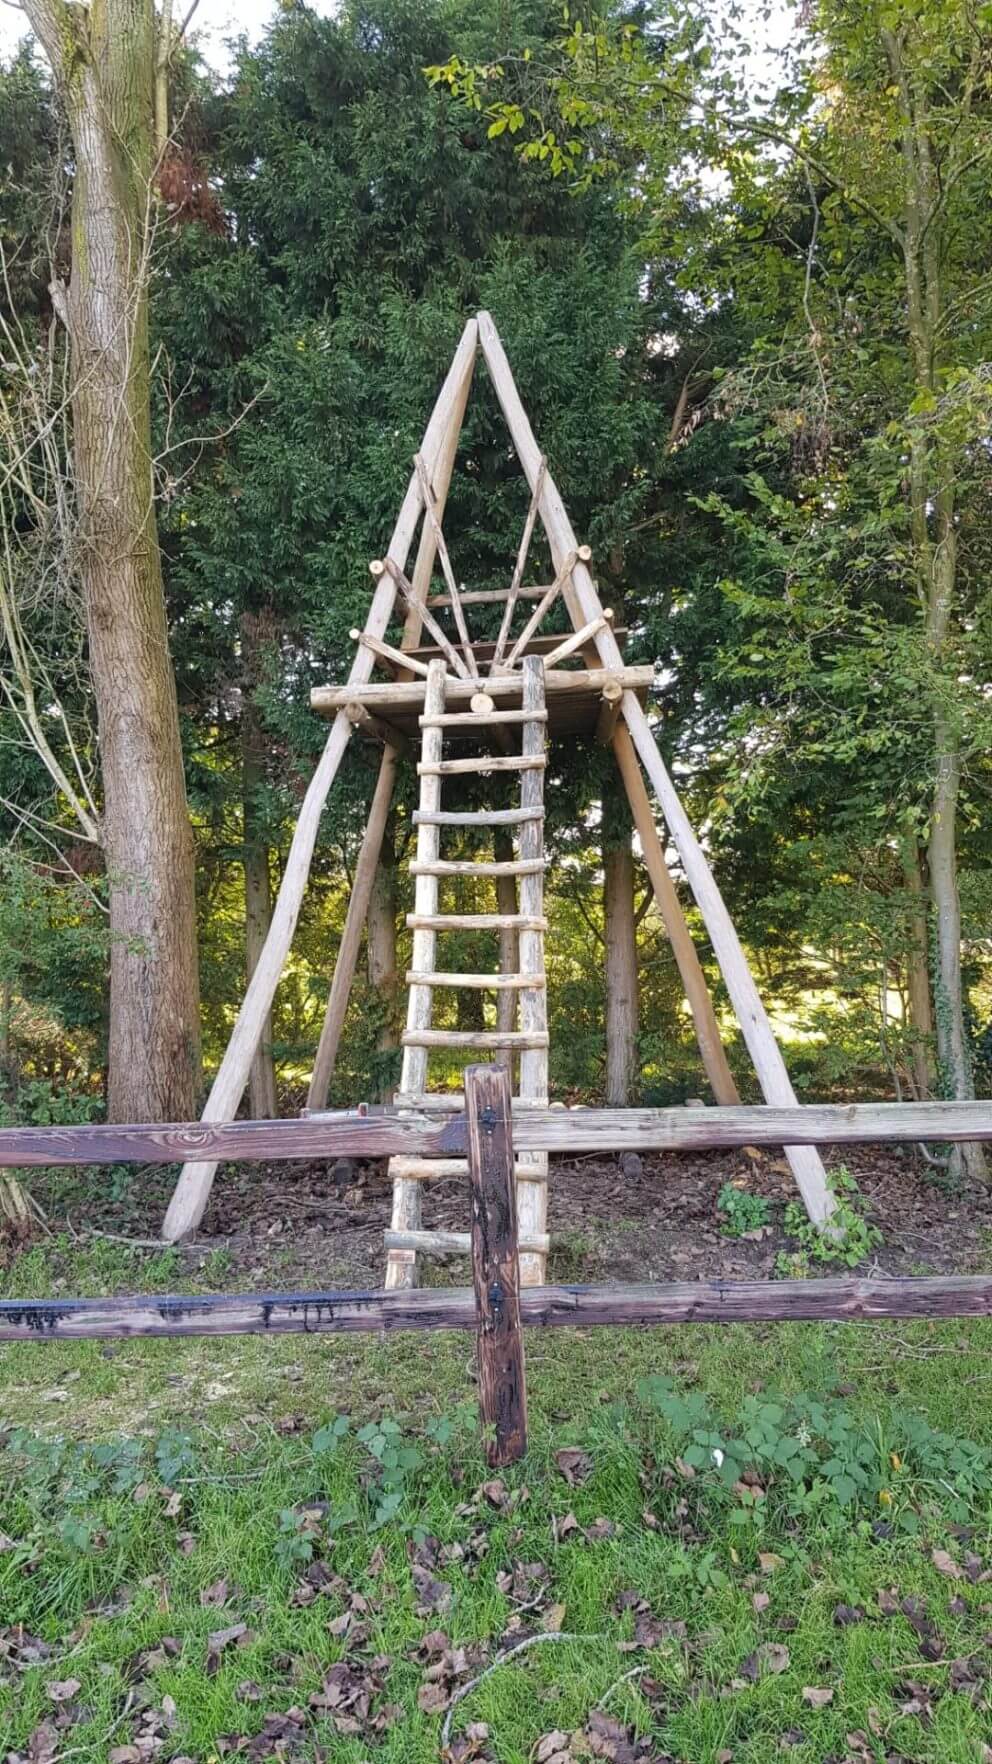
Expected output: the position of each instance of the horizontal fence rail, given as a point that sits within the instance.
(541, 1307)
(488, 1136)
(388, 1133)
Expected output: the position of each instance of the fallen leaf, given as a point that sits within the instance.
(565, 1527)
(62, 1690)
(433, 1698)
(945, 1564)
(550, 1745)
(433, 1595)
(220, 1640)
(774, 1656)
(575, 1465)
(599, 1530)
(817, 1696)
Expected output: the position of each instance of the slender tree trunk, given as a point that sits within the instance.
(918, 973)
(621, 972)
(933, 477)
(381, 928)
(262, 1100)
(103, 58)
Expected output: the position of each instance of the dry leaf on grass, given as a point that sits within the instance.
(817, 1696)
(574, 1464)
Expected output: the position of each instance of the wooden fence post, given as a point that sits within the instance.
(495, 1266)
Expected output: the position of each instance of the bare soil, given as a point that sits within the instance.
(655, 1218)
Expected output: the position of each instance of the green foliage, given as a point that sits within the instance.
(812, 1453)
(792, 1265)
(741, 1212)
(851, 1236)
(719, 372)
(396, 1460)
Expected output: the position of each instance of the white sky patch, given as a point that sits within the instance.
(215, 25)
(769, 24)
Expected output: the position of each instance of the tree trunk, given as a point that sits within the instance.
(933, 481)
(621, 972)
(381, 925)
(918, 974)
(103, 58)
(262, 1101)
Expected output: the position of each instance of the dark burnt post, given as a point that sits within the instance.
(495, 1267)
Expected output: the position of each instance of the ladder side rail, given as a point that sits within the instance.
(401, 1264)
(532, 1193)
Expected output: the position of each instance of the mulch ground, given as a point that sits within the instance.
(654, 1218)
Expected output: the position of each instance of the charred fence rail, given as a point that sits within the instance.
(488, 1133)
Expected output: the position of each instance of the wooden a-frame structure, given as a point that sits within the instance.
(486, 693)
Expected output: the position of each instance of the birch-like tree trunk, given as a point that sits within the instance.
(103, 59)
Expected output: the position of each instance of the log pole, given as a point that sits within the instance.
(192, 1191)
(371, 851)
(495, 1264)
(585, 609)
(842, 1300)
(694, 985)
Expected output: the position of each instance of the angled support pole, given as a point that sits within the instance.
(585, 608)
(711, 1049)
(371, 850)
(192, 1191)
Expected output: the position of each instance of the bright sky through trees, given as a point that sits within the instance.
(218, 21)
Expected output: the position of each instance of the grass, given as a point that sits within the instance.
(137, 1476)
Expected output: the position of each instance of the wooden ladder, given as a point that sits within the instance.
(406, 1240)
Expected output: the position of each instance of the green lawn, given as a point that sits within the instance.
(203, 1567)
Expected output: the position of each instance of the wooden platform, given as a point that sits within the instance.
(573, 696)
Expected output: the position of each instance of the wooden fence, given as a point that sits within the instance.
(488, 1132)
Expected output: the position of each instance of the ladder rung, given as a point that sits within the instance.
(478, 982)
(465, 867)
(454, 1243)
(452, 1102)
(488, 596)
(484, 1038)
(438, 1169)
(477, 817)
(474, 719)
(474, 922)
(491, 762)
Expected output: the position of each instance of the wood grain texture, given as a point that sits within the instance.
(536, 1129)
(543, 1307)
(409, 694)
(401, 1264)
(495, 1265)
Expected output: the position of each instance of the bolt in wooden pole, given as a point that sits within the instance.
(495, 1267)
